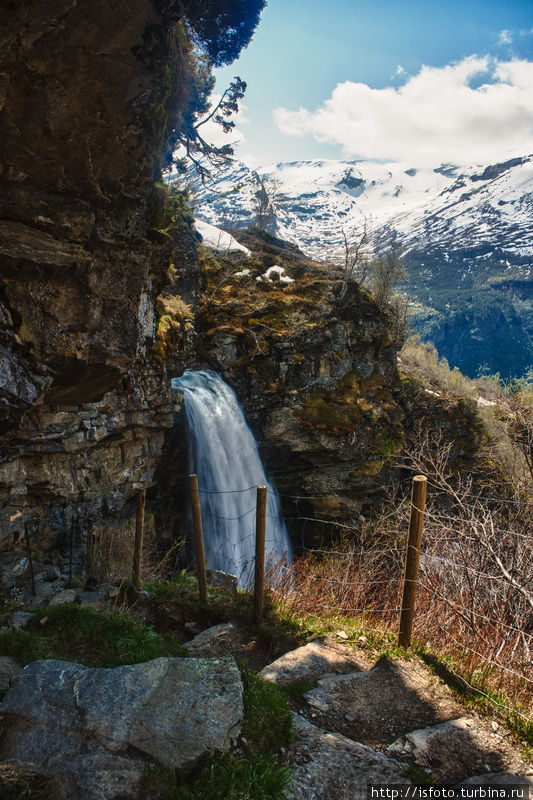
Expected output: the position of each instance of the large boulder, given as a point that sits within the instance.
(95, 729)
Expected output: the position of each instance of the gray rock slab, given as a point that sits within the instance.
(19, 619)
(329, 766)
(500, 779)
(100, 776)
(9, 667)
(12, 567)
(310, 662)
(63, 598)
(62, 716)
(378, 705)
(213, 641)
(223, 580)
(460, 748)
(44, 590)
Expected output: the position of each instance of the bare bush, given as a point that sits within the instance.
(475, 598)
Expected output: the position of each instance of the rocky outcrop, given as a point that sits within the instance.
(89, 93)
(328, 765)
(314, 363)
(343, 727)
(95, 730)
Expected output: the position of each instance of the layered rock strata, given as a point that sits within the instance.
(88, 95)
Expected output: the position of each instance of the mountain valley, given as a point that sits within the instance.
(466, 235)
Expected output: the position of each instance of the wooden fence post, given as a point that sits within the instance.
(412, 560)
(260, 537)
(30, 559)
(198, 537)
(138, 547)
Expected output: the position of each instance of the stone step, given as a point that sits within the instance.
(314, 660)
(378, 705)
(330, 766)
(96, 729)
(460, 748)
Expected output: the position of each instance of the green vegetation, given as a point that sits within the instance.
(419, 775)
(478, 329)
(86, 636)
(267, 720)
(174, 324)
(476, 691)
(256, 777)
(297, 689)
(222, 28)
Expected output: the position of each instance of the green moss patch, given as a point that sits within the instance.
(334, 409)
(86, 636)
(174, 322)
(267, 719)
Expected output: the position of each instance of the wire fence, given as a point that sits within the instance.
(472, 589)
(465, 586)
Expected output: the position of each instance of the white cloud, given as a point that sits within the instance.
(435, 116)
(506, 37)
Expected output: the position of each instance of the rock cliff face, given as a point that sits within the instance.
(318, 392)
(314, 362)
(87, 95)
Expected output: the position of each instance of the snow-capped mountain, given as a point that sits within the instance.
(450, 207)
(467, 233)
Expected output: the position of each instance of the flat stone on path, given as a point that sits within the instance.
(215, 641)
(19, 619)
(501, 779)
(329, 766)
(94, 729)
(459, 748)
(64, 597)
(380, 704)
(311, 661)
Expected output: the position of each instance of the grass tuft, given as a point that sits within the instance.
(257, 777)
(267, 718)
(87, 636)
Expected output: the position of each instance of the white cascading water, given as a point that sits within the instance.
(224, 454)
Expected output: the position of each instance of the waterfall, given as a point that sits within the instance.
(224, 454)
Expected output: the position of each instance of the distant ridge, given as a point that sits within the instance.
(467, 233)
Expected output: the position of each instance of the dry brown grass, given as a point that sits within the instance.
(475, 597)
(18, 783)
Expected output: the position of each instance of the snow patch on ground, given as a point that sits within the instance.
(275, 270)
(217, 239)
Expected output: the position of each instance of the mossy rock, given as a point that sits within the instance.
(335, 409)
(369, 469)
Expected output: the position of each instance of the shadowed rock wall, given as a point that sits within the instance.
(88, 93)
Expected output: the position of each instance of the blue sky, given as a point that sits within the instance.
(304, 49)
